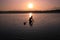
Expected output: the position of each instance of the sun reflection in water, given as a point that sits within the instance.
(30, 14)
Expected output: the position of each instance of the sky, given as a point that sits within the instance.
(6, 5)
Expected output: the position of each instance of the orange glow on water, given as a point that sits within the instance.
(30, 14)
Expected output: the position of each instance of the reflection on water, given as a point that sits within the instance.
(30, 20)
(43, 23)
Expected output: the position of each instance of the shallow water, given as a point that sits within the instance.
(44, 26)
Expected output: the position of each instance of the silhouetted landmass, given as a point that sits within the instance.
(48, 11)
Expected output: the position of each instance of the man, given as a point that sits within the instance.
(31, 21)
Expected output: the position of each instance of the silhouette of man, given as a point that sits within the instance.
(31, 21)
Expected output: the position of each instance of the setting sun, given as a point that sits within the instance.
(30, 5)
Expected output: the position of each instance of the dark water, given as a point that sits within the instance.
(45, 26)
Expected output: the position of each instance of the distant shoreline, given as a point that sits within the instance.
(50, 11)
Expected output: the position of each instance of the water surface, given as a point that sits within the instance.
(45, 26)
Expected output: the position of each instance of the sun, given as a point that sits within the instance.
(30, 5)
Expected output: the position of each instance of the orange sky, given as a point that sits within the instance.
(22, 4)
